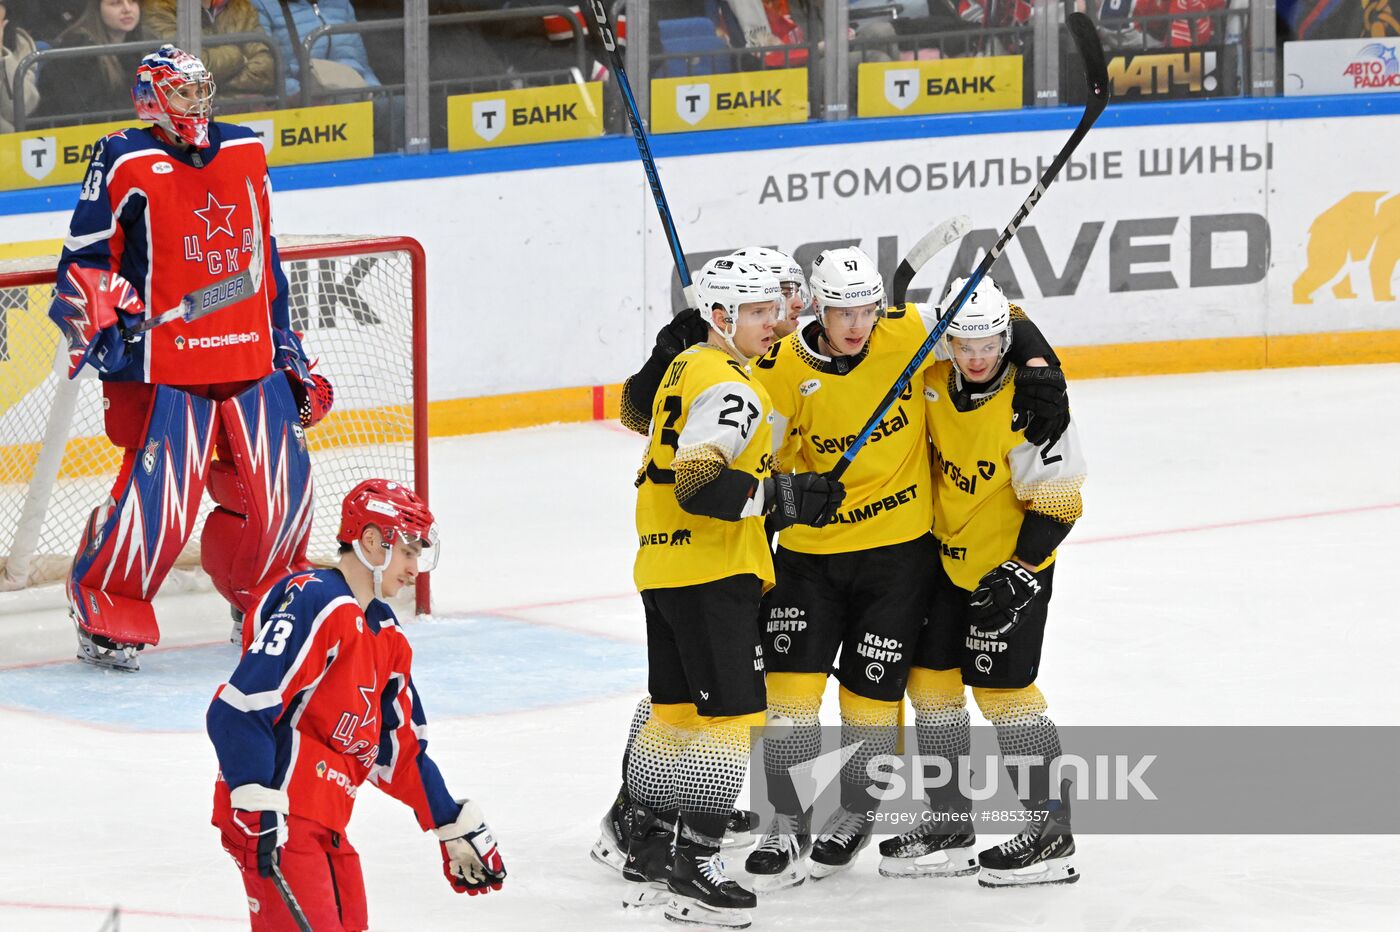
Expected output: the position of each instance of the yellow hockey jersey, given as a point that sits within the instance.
(708, 409)
(820, 405)
(987, 476)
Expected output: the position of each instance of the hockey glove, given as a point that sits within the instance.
(1001, 597)
(809, 498)
(682, 332)
(86, 307)
(470, 861)
(253, 836)
(313, 392)
(1040, 405)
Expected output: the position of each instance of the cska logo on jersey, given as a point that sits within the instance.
(301, 581)
(217, 218)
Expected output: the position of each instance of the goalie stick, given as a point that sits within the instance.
(639, 134)
(1086, 38)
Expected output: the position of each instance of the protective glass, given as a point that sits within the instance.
(432, 551)
(853, 316)
(761, 311)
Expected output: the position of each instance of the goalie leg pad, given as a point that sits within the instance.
(130, 543)
(262, 486)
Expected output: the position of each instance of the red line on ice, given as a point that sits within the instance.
(157, 913)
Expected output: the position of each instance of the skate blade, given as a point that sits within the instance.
(794, 876)
(105, 661)
(646, 895)
(1058, 870)
(736, 841)
(820, 871)
(607, 851)
(954, 862)
(691, 912)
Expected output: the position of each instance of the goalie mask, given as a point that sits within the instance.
(175, 92)
(401, 517)
(785, 267)
(731, 283)
(846, 278)
(985, 314)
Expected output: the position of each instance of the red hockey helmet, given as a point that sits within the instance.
(175, 91)
(396, 511)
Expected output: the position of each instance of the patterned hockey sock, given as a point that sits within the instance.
(871, 727)
(651, 767)
(792, 738)
(639, 718)
(944, 730)
(1026, 737)
(710, 773)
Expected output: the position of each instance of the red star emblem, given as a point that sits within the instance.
(217, 218)
(301, 581)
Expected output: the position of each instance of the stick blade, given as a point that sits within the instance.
(932, 242)
(1086, 39)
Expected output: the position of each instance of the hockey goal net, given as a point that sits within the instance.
(360, 303)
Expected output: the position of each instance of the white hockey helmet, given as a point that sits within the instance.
(985, 313)
(782, 265)
(845, 277)
(730, 282)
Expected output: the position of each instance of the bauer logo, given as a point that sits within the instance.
(949, 85)
(516, 117)
(722, 101)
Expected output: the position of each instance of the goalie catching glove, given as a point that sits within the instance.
(470, 861)
(312, 391)
(86, 306)
(1000, 598)
(809, 498)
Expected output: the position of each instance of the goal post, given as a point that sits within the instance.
(361, 303)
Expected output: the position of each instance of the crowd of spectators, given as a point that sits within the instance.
(270, 65)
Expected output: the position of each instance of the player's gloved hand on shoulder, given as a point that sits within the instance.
(810, 498)
(470, 860)
(1001, 597)
(1040, 403)
(313, 392)
(92, 306)
(254, 835)
(681, 332)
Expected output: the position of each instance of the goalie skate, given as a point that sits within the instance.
(106, 653)
(929, 851)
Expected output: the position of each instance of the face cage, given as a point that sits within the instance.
(192, 126)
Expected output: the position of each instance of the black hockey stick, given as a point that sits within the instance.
(289, 898)
(639, 133)
(1086, 38)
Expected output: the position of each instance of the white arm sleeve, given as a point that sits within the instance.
(1049, 477)
(722, 418)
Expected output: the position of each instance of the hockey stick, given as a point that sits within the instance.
(219, 295)
(1086, 38)
(289, 899)
(639, 134)
(932, 243)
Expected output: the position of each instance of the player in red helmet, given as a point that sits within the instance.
(322, 701)
(175, 92)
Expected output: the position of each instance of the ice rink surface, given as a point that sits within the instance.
(1235, 565)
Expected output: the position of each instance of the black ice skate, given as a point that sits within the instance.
(610, 850)
(106, 653)
(701, 892)
(1040, 854)
(780, 860)
(648, 859)
(841, 839)
(739, 832)
(930, 849)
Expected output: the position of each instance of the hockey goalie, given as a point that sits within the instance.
(169, 286)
